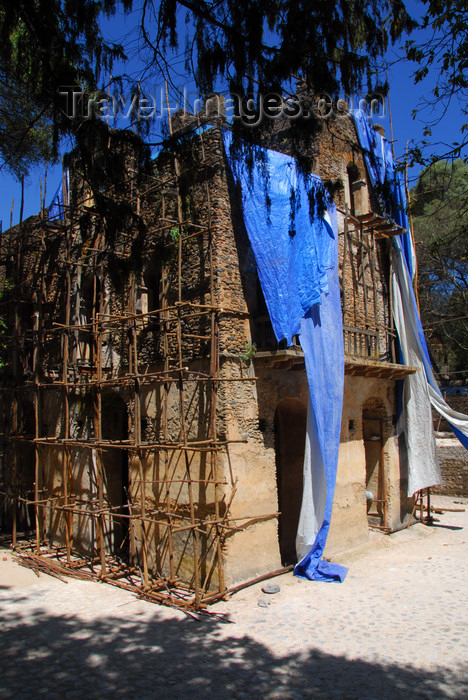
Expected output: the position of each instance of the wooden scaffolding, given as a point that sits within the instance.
(160, 508)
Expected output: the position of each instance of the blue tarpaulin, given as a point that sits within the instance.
(298, 272)
(322, 342)
(381, 169)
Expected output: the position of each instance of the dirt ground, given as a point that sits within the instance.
(396, 628)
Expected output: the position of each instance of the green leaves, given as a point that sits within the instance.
(251, 47)
(249, 351)
(263, 44)
(440, 217)
(45, 45)
(441, 58)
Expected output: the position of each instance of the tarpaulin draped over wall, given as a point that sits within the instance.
(299, 278)
(416, 417)
(420, 390)
(381, 169)
(458, 421)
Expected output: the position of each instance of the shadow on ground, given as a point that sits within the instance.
(58, 657)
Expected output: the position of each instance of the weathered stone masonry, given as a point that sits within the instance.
(150, 416)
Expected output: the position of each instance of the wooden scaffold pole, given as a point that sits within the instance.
(183, 428)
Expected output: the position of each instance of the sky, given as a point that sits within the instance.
(404, 97)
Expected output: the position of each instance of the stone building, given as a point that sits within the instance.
(152, 424)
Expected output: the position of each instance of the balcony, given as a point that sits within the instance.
(361, 346)
(360, 342)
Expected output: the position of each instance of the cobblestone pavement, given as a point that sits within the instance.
(396, 628)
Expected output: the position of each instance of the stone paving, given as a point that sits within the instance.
(396, 628)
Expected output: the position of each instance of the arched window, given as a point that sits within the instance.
(89, 291)
(149, 291)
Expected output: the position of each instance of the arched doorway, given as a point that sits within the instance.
(115, 475)
(26, 464)
(373, 432)
(290, 432)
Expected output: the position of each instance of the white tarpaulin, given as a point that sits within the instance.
(416, 417)
(420, 390)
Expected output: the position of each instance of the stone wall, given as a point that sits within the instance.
(453, 457)
(368, 460)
